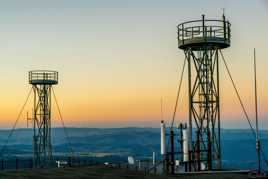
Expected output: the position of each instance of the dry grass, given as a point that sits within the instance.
(101, 172)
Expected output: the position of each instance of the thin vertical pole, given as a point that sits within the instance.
(203, 25)
(190, 103)
(218, 108)
(172, 161)
(31, 163)
(161, 109)
(207, 110)
(181, 140)
(256, 115)
(198, 153)
(69, 162)
(2, 162)
(224, 26)
(34, 129)
(17, 163)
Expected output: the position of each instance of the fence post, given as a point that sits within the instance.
(2, 162)
(145, 171)
(69, 162)
(17, 163)
(31, 163)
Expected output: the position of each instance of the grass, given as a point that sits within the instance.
(101, 172)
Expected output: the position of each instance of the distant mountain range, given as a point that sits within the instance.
(238, 145)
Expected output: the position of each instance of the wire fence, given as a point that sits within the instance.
(15, 163)
(145, 166)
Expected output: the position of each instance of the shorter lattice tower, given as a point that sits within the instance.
(42, 82)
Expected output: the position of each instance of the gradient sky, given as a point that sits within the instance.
(116, 59)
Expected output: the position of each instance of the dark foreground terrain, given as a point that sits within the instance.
(101, 172)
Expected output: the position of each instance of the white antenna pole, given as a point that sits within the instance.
(153, 158)
(163, 138)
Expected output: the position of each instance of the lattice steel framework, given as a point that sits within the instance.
(204, 110)
(201, 41)
(42, 82)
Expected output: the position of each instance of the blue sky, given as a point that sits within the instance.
(116, 59)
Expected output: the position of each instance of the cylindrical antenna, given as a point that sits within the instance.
(163, 138)
(224, 24)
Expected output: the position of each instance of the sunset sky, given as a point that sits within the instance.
(117, 59)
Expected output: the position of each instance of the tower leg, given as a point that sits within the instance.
(42, 153)
(204, 109)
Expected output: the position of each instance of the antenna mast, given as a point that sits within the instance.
(256, 115)
(162, 117)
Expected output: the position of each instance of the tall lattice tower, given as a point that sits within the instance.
(42, 82)
(201, 41)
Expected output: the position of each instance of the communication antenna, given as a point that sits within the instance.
(256, 117)
(162, 117)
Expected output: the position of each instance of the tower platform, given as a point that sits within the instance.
(43, 77)
(205, 32)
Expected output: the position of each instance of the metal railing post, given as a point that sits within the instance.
(203, 25)
(182, 30)
(224, 27)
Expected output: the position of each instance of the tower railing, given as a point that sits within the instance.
(204, 31)
(43, 77)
